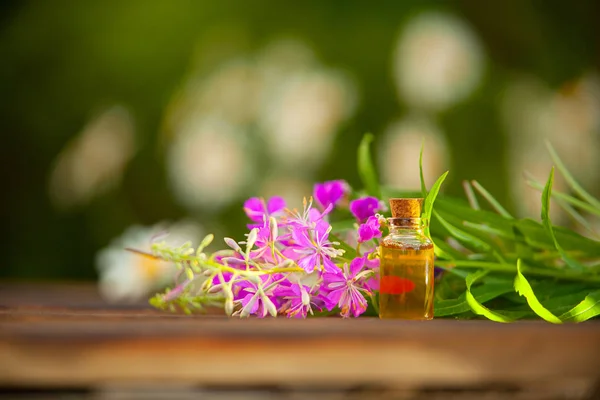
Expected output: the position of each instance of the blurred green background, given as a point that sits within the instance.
(121, 113)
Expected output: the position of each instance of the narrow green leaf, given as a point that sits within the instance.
(577, 188)
(449, 286)
(548, 225)
(482, 294)
(487, 229)
(573, 213)
(430, 199)
(470, 195)
(422, 177)
(565, 302)
(536, 235)
(568, 203)
(531, 181)
(445, 251)
(490, 199)
(461, 210)
(463, 237)
(366, 168)
(523, 251)
(523, 287)
(588, 308)
(476, 306)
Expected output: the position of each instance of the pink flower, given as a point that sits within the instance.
(298, 300)
(330, 192)
(369, 230)
(313, 249)
(365, 207)
(256, 209)
(265, 237)
(255, 299)
(345, 289)
(372, 283)
(308, 218)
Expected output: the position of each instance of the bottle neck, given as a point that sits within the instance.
(406, 226)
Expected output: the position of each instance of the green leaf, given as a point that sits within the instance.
(574, 214)
(476, 306)
(421, 176)
(537, 236)
(523, 287)
(548, 225)
(588, 308)
(561, 304)
(460, 210)
(343, 226)
(563, 196)
(471, 195)
(430, 199)
(523, 251)
(349, 251)
(577, 188)
(482, 294)
(490, 199)
(366, 168)
(463, 237)
(568, 203)
(445, 251)
(449, 286)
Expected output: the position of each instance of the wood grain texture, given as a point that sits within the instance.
(55, 345)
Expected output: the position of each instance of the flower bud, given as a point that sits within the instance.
(189, 273)
(205, 242)
(269, 305)
(252, 236)
(229, 307)
(273, 228)
(233, 244)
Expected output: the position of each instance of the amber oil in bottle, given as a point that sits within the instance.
(406, 269)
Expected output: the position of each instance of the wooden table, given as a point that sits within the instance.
(64, 338)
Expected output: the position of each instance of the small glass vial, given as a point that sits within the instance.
(406, 270)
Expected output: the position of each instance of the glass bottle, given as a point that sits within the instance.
(406, 269)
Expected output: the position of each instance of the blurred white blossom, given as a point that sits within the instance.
(281, 93)
(438, 61)
(94, 161)
(231, 92)
(208, 163)
(400, 150)
(125, 276)
(301, 117)
(282, 58)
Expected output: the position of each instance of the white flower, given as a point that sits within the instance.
(301, 117)
(400, 150)
(125, 276)
(209, 164)
(94, 161)
(282, 94)
(438, 61)
(232, 92)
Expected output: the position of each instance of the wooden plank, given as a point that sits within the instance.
(54, 346)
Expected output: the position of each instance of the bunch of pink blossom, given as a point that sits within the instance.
(289, 264)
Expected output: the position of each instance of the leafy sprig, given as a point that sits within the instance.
(497, 266)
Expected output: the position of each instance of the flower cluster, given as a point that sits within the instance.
(289, 263)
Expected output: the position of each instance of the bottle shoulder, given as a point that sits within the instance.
(416, 241)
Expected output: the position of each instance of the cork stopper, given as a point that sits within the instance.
(406, 208)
